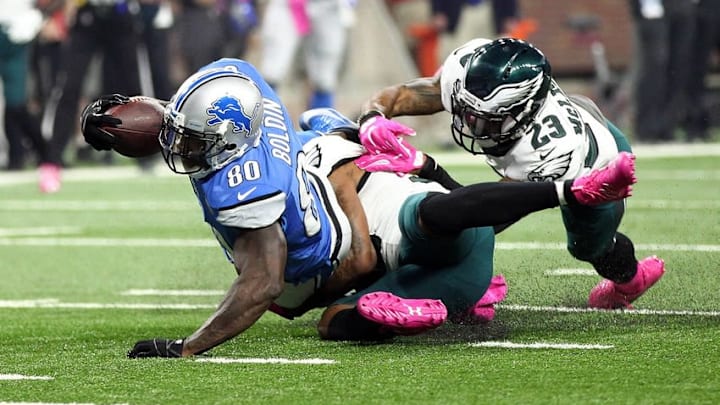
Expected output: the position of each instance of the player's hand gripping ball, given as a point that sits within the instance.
(128, 125)
(137, 133)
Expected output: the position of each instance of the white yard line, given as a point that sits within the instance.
(541, 345)
(638, 246)
(13, 377)
(570, 272)
(80, 205)
(104, 173)
(190, 205)
(39, 231)
(104, 242)
(52, 303)
(674, 204)
(672, 175)
(656, 312)
(270, 360)
(209, 242)
(173, 293)
(49, 403)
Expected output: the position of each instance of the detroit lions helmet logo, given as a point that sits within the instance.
(228, 108)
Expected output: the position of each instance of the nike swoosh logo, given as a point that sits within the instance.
(241, 196)
(542, 157)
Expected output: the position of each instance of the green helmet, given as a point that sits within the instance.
(505, 83)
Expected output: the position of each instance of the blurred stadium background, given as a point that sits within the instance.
(381, 51)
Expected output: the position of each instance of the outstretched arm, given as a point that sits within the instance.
(416, 97)
(260, 257)
(378, 133)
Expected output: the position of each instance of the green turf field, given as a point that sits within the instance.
(112, 258)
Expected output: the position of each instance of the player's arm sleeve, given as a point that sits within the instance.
(432, 170)
(255, 213)
(327, 153)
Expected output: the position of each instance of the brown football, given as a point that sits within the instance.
(137, 135)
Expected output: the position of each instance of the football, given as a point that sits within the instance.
(137, 135)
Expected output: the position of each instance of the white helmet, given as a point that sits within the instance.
(214, 116)
(504, 84)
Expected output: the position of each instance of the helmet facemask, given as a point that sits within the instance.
(187, 151)
(481, 132)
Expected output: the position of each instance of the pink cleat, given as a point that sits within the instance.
(50, 178)
(400, 315)
(484, 310)
(610, 183)
(610, 295)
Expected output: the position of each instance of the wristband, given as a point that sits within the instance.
(369, 114)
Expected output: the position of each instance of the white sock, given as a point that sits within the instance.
(560, 188)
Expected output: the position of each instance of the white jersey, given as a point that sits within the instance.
(569, 136)
(381, 194)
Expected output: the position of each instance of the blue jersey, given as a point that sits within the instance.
(270, 183)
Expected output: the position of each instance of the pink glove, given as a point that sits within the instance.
(485, 308)
(387, 162)
(379, 134)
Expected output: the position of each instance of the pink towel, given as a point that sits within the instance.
(300, 17)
